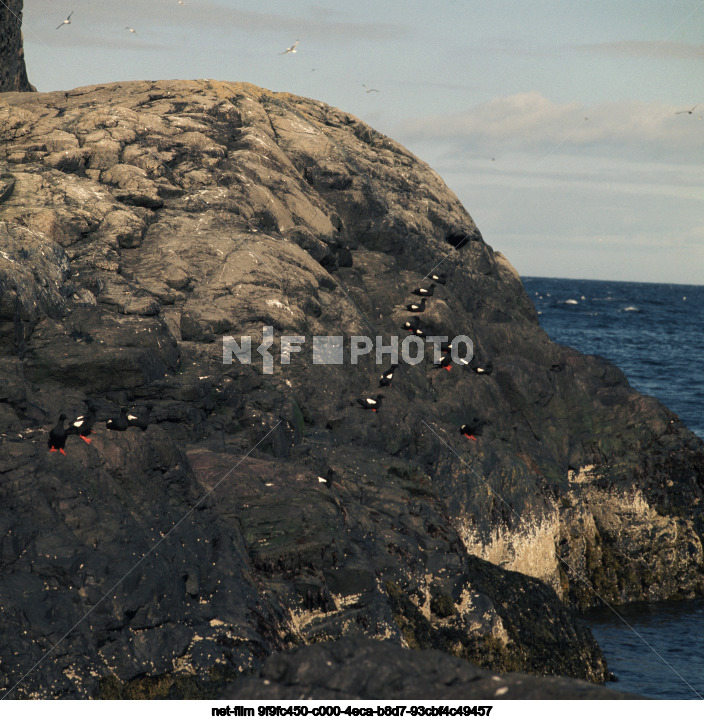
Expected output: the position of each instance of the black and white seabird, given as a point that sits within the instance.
(482, 368)
(67, 21)
(445, 362)
(438, 278)
(387, 376)
(472, 429)
(120, 423)
(412, 324)
(83, 425)
(416, 307)
(57, 436)
(140, 418)
(371, 404)
(689, 112)
(424, 291)
(328, 477)
(419, 333)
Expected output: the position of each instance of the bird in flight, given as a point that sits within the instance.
(67, 21)
(132, 30)
(292, 49)
(370, 90)
(689, 112)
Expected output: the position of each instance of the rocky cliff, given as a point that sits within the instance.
(142, 222)
(13, 74)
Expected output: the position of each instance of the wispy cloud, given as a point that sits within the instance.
(645, 49)
(204, 18)
(529, 122)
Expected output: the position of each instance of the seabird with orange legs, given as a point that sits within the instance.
(83, 425)
(57, 436)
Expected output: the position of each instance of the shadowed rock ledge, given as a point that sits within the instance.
(364, 669)
(140, 223)
(380, 670)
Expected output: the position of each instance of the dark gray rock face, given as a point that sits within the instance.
(13, 73)
(381, 670)
(139, 224)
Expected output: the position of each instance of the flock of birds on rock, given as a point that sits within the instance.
(470, 430)
(83, 425)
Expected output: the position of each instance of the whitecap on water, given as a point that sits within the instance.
(570, 301)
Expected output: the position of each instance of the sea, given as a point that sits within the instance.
(655, 334)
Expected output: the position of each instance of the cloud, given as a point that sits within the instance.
(645, 49)
(529, 122)
(204, 18)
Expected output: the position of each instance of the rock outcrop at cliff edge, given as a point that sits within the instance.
(13, 73)
(140, 223)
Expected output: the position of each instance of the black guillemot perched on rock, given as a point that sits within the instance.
(120, 423)
(439, 278)
(424, 291)
(411, 325)
(328, 476)
(445, 362)
(139, 418)
(57, 436)
(472, 429)
(387, 376)
(416, 307)
(482, 368)
(83, 425)
(372, 404)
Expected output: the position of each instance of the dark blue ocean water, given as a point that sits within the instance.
(655, 334)
(661, 655)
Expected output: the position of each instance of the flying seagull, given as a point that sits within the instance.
(292, 49)
(370, 90)
(689, 112)
(132, 30)
(67, 21)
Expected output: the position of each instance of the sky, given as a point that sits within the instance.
(559, 124)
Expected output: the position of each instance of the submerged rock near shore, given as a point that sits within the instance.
(142, 222)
